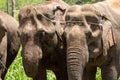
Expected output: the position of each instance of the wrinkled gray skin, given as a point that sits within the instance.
(9, 42)
(93, 45)
(42, 47)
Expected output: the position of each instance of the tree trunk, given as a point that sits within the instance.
(13, 8)
(7, 4)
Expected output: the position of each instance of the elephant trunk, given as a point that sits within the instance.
(77, 55)
(31, 57)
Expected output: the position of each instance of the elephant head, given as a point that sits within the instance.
(37, 32)
(83, 35)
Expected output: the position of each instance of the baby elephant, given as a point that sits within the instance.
(9, 42)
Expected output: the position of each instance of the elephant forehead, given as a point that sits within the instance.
(43, 9)
(74, 31)
(74, 8)
(48, 7)
(80, 16)
(74, 14)
(27, 11)
(84, 10)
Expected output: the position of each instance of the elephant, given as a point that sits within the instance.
(9, 42)
(92, 40)
(40, 31)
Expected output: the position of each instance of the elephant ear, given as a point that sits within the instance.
(59, 12)
(95, 24)
(108, 36)
(101, 28)
(94, 42)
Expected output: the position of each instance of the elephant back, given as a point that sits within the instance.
(11, 25)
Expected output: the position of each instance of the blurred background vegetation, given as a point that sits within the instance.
(12, 7)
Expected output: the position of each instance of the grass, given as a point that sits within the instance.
(16, 71)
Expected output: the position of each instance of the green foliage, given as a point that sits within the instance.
(50, 75)
(16, 71)
(3, 5)
(21, 3)
(98, 74)
(81, 1)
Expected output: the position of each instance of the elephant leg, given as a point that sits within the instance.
(60, 75)
(109, 72)
(64, 75)
(89, 73)
(3, 55)
(12, 50)
(10, 58)
(41, 74)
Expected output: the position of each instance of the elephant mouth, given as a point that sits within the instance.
(94, 50)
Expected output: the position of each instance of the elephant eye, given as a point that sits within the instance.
(39, 16)
(94, 27)
(49, 16)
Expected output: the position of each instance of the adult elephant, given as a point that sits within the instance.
(40, 33)
(92, 38)
(9, 42)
